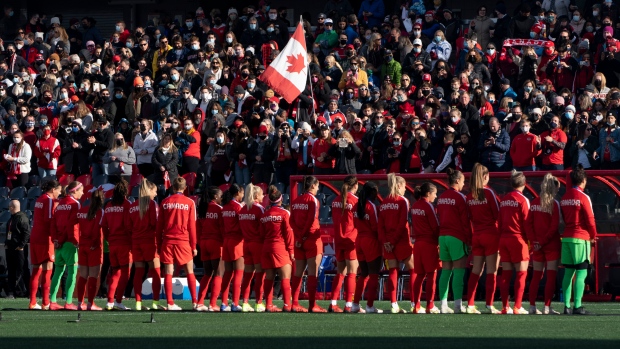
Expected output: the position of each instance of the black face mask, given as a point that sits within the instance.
(245, 75)
(162, 116)
(343, 42)
(142, 128)
(262, 137)
(119, 142)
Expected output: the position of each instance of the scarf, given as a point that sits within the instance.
(15, 170)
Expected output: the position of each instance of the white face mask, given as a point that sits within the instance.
(454, 119)
(525, 129)
(273, 16)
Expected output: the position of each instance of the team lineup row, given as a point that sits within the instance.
(241, 242)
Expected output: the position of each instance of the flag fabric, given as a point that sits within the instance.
(288, 73)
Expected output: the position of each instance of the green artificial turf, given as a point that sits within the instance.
(44, 329)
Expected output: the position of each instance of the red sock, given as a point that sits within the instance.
(191, 284)
(137, 282)
(534, 284)
(371, 289)
(168, 288)
(259, 277)
(215, 290)
(336, 286)
(156, 276)
(430, 289)
(122, 283)
(489, 288)
(237, 278)
(269, 291)
(519, 288)
(204, 287)
(34, 284)
(92, 289)
(416, 289)
(349, 289)
(226, 286)
(411, 278)
(46, 283)
(115, 276)
(550, 286)
(286, 292)
(296, 286)
(472, 284)
(245, 285)
(81, 289)
(360, 285)
(312, 282)
(505, 287)
(393, 284)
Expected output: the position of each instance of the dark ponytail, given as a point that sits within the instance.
(275, 196)
(578, 175)
(232, 191)
(120, 192)
(96, 203)
(453, 176)
(369, 193)
(50, 185)
(423, 190)
(347, 185)
(207, 196)
(309, 182)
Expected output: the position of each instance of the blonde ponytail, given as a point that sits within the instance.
(393, 181)
(144, 197)
(548, 190)
(249, 195)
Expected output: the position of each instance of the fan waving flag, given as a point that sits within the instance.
(287, 74)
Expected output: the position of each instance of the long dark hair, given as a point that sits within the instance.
(207, 196)
(423, 190)
(369, 193)
(96, 203)
(453, 176)
(348, 184)
(232, 191)
(49, 185)
(309, 182)
(121, 189)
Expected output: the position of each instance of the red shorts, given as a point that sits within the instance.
(179, 254)
(345, 250)
(309, 249)
(90, 258)
(41, 253)
(368, 248)
(252, 252)
(513, 249)
(144, 252)
(549, 252)
(210, 249)
(484, 244)
(274, 258)
(425, 257)
(120, 255)
(232, 250)
(400, 252)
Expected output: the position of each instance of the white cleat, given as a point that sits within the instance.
(550, 311)
(492, 310)
(109, 306)
(355, 308)
(534, 311)
(433, 310)
(174, 307)
(520, 311)
(460, 310)
(201, 307)
(225, 308)
(35, 307)
(446, 310)
(120, 306)
(471, 309)
(373, 310)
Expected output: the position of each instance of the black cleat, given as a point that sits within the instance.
(581, 311)
(568, 311)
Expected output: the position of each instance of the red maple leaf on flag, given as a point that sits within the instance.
(297, 63)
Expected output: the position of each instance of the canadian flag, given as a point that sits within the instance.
(287, 74)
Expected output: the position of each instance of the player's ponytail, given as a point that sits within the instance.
(144, 195)
(120, 192)
(476, 182)
(548, 190)
(578, 175)
(369, 192)
(232, 192)
(309, 182)
(517, 179)
(251, 193)
(207, 196)
(393, 181)
(275, 196)
(453, 176)
(96, 203)
(347, 185)
(49, 185)
(423, 190)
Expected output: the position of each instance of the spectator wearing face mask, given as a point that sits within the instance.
(47, 151)
(119, 159)
(18, 160)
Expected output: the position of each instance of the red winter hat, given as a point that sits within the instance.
(238, 124)
(426, 77)
(321, 119)
(429, 13)
(549, 44)
(274, 99)
(116, 59)
(38, 57)
(263, 129)
(75, 99)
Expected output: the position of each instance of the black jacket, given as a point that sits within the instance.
(345, 157)
(411, 57)
(169, 161)
(408, 150)
(19, 226)
(377, 138)
(269, 154)
(75, 159)
(104, 140)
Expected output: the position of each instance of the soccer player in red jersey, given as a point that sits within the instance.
(278, 250)
(395, 235)
(425, 247)
(368, 248)
(249, 222)
(454, 241)
(308, 244)
(143, 216)
(483, 206)
(232, 251)
(542, 226)
(117, 231)
(176, 233)
(65, 232)
(210, 230)
(345, 234)
(513, 210)
(90, 250)
(41, 246)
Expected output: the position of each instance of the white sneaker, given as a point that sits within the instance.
(355, 308)
(120, 306)
(471, 309)
(109, 306)
(35, 307)
(420, 310)
(507, 311)
(433, 310)
(174, 307)
(520, 311)
(534, 311)
(550, 311)
(201, 307)
(446, 310)
(492, 310)
(373, 310)
(225, 308)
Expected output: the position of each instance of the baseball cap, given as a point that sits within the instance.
(328, 20)
(417, 42)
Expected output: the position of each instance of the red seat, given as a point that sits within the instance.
(87, 189)
(66, 179)
(85, 179)
(190, 180)
(108, 194)
(135, 180)
(384, 171)
(224, 187)
(60, 171)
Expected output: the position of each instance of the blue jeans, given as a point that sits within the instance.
(526, 168)
(242, 175)
(44, 172)
(100, 169)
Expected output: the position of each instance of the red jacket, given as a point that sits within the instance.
(305, 217)
(322, 146)
(276, 230)
(454, 215)
(230, 213)
(177, 221)
(194, 148)
(249, 222)
(393, 222)
(42, 219)
(513, 210)
(65, 223)
(524, 149)
(551, 153)
(145, 228)
(212, 227)
(90, 230)
(424, 222)
(47, 152)
(543, 227)
(484, 214)
(368, 225)
(578, 215)
(345, 232)
(116, 226)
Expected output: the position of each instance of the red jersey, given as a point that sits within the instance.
(230, 213)
(249, 222)
(42, 219)
(143, 229)
(368, 225)
(276, 230)
(319, 147)
(578, 215)
(212, 226)
(424, 222)
(393, 222)
(177, 221)
(524, 149)
(64, 226)
(454, 215)
(305, 217)
(513, 210)
(116, 226)
(90, 229)
(344, 228)
(543, 227)
(552, 154)
(484, 214)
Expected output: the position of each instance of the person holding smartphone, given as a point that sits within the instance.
(345, 152)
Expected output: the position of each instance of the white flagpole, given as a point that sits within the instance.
(309, 77)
